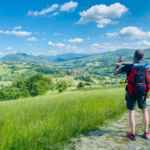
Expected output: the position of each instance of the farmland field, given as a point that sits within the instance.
(50, 121)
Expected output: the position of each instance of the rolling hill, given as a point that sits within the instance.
(105, 56)
(96, 64)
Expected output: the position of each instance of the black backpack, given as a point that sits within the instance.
(137, 81)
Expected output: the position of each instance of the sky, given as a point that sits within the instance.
(51, 27)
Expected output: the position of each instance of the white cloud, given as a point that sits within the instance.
(103, 46)
(111, 46)
(18, 28)
(54, 9)
(111, 34)
(145, 43)
(72, 45)
(61, 48)
(50, 43)
(134, 32)
(44, 11)
(32, 39)
(68, 6)
(56, 45)
(59, 45)
(9, 48)
(18, 33)
(76, 40)
(7, 52)
(102, 14)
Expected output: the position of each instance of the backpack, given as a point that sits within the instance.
(138, 80)
(147, 72)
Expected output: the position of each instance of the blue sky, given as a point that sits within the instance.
(53, 27)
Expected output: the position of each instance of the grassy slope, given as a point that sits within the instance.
(41, 123)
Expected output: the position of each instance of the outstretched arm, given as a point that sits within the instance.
(121, 67)
(117, 69)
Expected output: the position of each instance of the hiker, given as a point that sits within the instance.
(138, 86)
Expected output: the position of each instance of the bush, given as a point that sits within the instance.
(21, 85)
(10, 93)
(33, 86)
(38, 85)
(80, 85)
(61, 85)
(85, 78)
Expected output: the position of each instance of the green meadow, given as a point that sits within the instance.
(49, 122)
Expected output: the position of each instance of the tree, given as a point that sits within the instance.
(61, 85)
(80, 85)
(38, 85)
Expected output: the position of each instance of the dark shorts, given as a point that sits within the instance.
(131, 101)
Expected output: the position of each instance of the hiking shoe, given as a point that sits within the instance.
(147, 135)
(131, 136)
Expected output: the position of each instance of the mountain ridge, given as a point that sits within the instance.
(29, 58)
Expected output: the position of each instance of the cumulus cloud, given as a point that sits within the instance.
(50, 43)
(44, 11)
(102, 14)
(7, 52)
(9, 48)
(69, 44)
(32, 39)
(56, 45)
(18, 33)
(131, 37)
(132, 32)
(111, 34)
(61, 48)
(135, 32)
(59, 45)
(54, 9)
(76, 40)
(111, 46)
(145, 43)
(18, 28)
(103, 46)
(68, 6)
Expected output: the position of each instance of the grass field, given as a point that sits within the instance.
(47, 122)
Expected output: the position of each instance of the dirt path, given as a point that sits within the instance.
(113, 137)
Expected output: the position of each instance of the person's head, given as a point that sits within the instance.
(138, 55)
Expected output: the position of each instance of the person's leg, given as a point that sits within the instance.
(131, 102)
(143, 106)
(131, 118)
(146, 119)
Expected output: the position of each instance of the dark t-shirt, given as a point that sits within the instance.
(127, 68)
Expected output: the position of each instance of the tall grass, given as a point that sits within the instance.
(46, 122)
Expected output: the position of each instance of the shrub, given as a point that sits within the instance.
(80, 85)
(10, 93)
(32, 86)
(61, 85)
(38, 85)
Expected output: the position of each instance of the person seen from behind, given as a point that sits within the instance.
(138, 86)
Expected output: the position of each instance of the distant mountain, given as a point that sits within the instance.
(66, 57)
(75, 59)
(23, 57)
